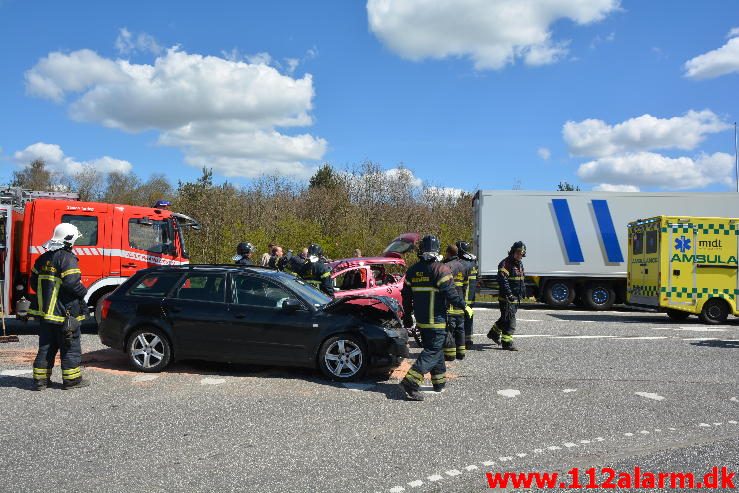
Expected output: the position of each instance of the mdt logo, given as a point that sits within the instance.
(710, 243)
(605, 228)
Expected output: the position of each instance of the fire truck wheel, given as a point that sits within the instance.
(99, 307)
(599, 295)
(714, 312)
(148, 350)
(559, 292)
(677, 315)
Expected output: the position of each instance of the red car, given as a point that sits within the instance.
(375, 276)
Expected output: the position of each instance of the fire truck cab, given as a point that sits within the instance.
(117, 240)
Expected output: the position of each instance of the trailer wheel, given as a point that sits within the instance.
(714, 312)
(677, 315)
(559, 293)
(599, 295)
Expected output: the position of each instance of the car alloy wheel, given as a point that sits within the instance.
(344, 358)
(147, 350)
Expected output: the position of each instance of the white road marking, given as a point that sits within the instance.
(704, 425)
(518, 336)
(453, 473)
(642, 338)
(628, 434)
(435, 477)
(699, 329)
(357, 387)
(554, 447)
(567, 391)
(489, 463)
(650, 395)
(584, 337)
(600, 439)
(570, 445)
(470, 468)
(14, 373)
(717, 424)
(538, 451)
(662, 328)
(644, 432)
(702, 339)
(733, 422)
(734, 399)
(657, 430)
(505, 459)
(397, 489)
(144, 378)
(510, 393)
(521, 455)
(672, 429)
(212, 381)
(529, 320)
(416, 484)
(585, 441)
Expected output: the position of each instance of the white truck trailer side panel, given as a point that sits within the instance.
(567, 234)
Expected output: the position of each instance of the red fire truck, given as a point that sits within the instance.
(116, 241)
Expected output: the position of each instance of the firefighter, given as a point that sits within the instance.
(57, 278)
(512, 289)
(316, 270)
(470, 288)
(454, 347)
(244, 253)
(427, 291)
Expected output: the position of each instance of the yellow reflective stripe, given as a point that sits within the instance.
(41, 371)
(53, 318)
(431, 326)
(40, 297)
(432, 302)
(504, 271)
(325, 274)
(517, 278)
(454, 311)
(443, 280)
(450, 350)
(424, 289)
(34, 270)
(34, 312)
(506, 338)
(459, 284)
(52, 303)
(472, 278)
(71, 370)
(53, 279)
(438, 378)
(70, 272)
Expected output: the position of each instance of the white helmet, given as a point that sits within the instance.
(64, 233)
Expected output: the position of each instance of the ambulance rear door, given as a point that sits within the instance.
(644, 263)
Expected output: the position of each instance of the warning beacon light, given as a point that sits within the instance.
(162, 204)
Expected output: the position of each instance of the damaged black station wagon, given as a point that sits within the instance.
(248, 315)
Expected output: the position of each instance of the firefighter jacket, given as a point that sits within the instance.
(57, 279)
(470, 288)
(319, 275)
(511, 279)
(292, 264)
(459, 275)
(428, 290)
(244, 262)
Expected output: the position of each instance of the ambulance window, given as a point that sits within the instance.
(88, 226)
(651, 241)
(637, 247)
(152, 236)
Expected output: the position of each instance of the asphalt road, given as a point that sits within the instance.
(613, 389)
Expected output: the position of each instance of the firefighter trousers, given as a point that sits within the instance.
(455, 346)
(506, 324)
(431, 360)
(468, 331)
(50, 341)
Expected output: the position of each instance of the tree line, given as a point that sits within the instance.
(359, 207)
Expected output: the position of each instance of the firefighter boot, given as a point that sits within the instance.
(439, 382)
(508, 343)
(411, 393)
(450, 349)
(494, 333)
(41, 378)
(77, 383)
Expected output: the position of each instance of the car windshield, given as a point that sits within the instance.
(307, 292)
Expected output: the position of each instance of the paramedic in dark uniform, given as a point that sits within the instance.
(428, 290)
(57, 279)
(512, 289)
(316, 270)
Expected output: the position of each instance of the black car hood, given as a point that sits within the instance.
(391, 303)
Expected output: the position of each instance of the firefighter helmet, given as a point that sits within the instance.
(245, 248)
(519, 245)
(430, 244)
(463, 247)
(315, 250)
(65, 234)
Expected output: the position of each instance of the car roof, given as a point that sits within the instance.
(348, 263)
(214, 268)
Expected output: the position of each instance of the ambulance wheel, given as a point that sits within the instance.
(559, 293)
(599, 295)
(714, 312)
(677, 315)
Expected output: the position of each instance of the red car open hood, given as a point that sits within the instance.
(402, 244)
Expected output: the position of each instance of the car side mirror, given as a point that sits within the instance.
(291, 305)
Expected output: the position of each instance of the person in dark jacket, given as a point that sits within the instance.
(454, 347)
(470, 288)
(427, 291)
(316, 270)
(512, 289)
(57, 279)
(244, 253)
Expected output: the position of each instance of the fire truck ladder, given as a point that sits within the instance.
(18, 197)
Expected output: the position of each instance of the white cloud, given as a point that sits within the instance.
(56, 160)
(447, 192)
(715, 63)
(647, 169)
(492, 33)
(544, 153)
(405, 174)
(260, 59)
(605, 187)
(596, 138)
(223, 113)
(126, 43)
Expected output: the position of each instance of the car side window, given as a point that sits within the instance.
(256, 291)
(202, 287)
(157, 284)
(351, 279)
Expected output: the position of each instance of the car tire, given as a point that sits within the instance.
(599, 295)
(343, 358)
(148, 350)
(99, 307)
(559, 292)
(714, 312)
(677, 315)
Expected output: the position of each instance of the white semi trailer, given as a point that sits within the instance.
(576, 241)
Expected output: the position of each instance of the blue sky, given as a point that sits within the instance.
(467, 94)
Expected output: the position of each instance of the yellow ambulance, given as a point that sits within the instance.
(684, 265)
